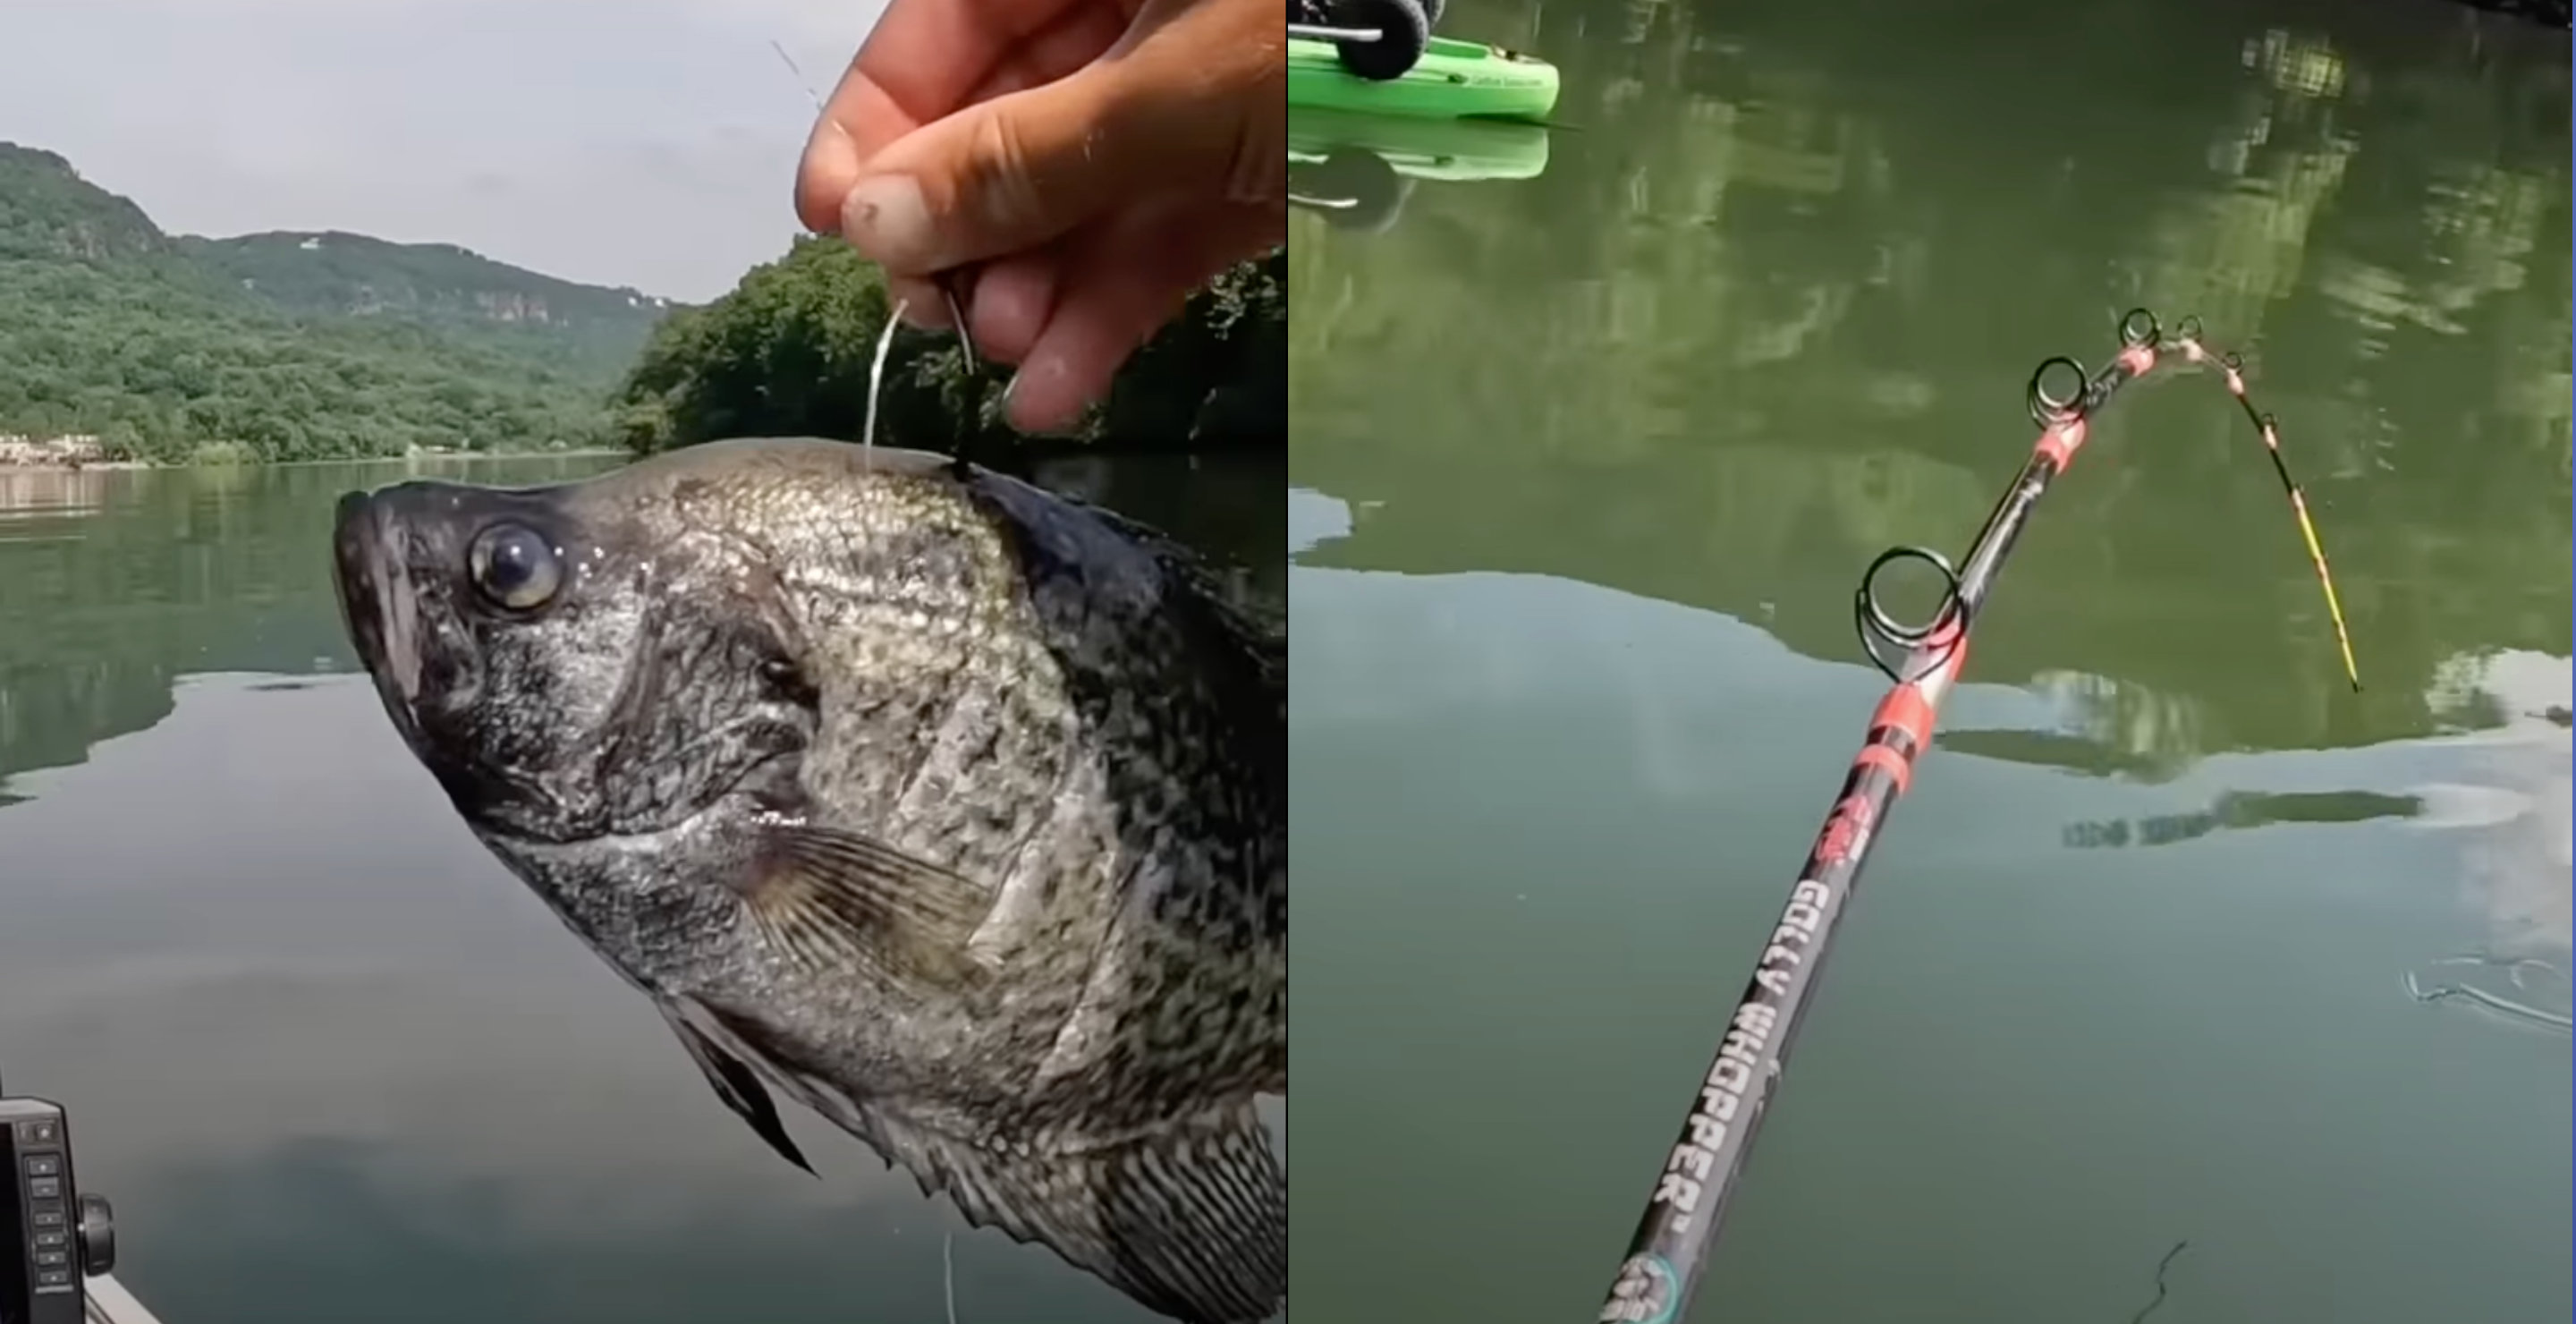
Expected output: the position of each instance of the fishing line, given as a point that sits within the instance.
(2161, 1265)
(1880, 632)
(948, 1272)
(801, 81)
(2510, 1009)
(867, 451)
(1702, 1169)
(971, 419)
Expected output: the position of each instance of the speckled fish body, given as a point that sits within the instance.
(947, 807)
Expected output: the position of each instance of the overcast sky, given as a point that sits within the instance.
(649, 143)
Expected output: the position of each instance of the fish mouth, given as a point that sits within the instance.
(377, 606)
(425, 663)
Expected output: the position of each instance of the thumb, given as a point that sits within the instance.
(1017, 171)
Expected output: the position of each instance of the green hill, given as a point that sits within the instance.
(438, 285)
(289, 345)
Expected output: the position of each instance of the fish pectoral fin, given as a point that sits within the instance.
(735, 1083)
(1190, 1220)
(827, 895)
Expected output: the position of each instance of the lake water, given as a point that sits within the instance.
(1588, 455)
(328, 1059)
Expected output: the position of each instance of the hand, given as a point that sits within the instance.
(1101, 159)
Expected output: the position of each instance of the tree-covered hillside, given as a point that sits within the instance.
(439, 285)
(292, 346)
(788, 352)
(305, 345)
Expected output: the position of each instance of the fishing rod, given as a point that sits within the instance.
(1661, 1271)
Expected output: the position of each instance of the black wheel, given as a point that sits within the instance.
(1370, 193)
(1431, 12)
(1403, 31)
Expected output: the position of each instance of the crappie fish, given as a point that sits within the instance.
(949, 808)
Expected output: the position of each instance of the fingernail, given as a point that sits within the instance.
(1010, 391)
(830, 158)
(886, 218)
(1045, 372)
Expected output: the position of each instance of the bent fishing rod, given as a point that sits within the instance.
(1661, 1272)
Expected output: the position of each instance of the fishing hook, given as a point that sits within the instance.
(969, 423)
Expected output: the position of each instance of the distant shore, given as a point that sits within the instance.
(20, 456)
(20, 463)
(10, 466)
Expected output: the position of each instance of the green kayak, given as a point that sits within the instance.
(1453, 80)
(1419, 148)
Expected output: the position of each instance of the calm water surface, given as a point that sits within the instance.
(330, 1061)
(1587, 457)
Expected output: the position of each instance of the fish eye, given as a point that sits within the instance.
(514, 567)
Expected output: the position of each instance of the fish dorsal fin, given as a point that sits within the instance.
(734, 1082)
(827, 897)
(1189, 1219)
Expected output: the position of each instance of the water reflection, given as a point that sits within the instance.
(2512, 812)
(1775, 312)
(1356, 171)
(2506, 815)
(32, 498)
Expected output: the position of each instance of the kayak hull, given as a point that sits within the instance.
(1453, 80)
